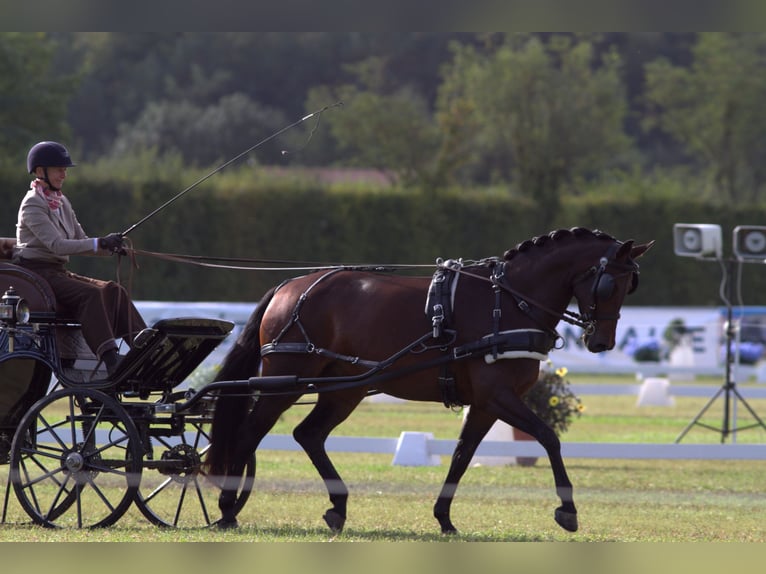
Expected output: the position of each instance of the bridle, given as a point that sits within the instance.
(604, 284)
(603, 288)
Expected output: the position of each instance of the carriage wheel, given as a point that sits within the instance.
(76, 460)
(179, 493)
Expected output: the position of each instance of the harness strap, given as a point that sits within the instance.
(295, 317)
(448, 388)
(516, 343)
(500, 284)
(309, 348)
(440, 300)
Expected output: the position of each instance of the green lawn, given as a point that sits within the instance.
(618, 500)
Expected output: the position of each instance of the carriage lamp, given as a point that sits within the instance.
(13, 309)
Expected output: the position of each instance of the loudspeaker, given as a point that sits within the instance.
(699, 240)
(749, 242)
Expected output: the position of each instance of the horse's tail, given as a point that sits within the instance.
(231, 407)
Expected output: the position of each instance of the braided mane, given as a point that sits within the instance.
(557, 235)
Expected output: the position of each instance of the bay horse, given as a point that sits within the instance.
(473, 334)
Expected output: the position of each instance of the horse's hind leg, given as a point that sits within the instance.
(331, 410)
(259, 421)
(477, 424)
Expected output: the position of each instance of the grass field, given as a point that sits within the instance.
(618, 500)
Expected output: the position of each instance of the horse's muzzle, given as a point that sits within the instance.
(596, 345)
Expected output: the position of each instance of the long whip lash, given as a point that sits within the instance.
(232, 160)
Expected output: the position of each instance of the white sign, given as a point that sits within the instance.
(639, 331)
(640, 334)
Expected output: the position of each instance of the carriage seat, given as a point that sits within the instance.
(42, 302)
(6, 247)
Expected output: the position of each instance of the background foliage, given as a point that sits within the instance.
(242, 215)
(462, 144)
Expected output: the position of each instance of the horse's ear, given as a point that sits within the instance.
(639, 250)
(625, 249)
(628, 249)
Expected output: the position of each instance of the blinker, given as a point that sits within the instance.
(605, 287)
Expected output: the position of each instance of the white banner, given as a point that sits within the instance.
(641, 334)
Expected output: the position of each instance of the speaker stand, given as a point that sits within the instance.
(729, 387)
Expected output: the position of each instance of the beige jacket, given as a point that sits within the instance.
(45, 235)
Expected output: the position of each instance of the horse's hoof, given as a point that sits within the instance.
(334, 520)
(226, 524)
(567, 520)
(446, 525)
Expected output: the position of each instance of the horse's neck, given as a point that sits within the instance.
(546, 276)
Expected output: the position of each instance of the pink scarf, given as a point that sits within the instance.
(53, 198)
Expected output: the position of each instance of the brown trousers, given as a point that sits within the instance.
(103, 308)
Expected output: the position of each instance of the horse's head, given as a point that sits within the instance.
(601, 290)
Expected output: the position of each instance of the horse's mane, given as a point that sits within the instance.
(554, 236)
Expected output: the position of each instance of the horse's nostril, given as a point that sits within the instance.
(598, 347)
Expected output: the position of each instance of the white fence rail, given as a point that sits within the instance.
(419, 449)
(679, 390)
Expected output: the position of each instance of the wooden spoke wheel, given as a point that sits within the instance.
(175, 491)
(76, 460)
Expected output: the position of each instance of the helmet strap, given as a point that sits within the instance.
(48, 181)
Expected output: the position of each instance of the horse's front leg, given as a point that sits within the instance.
(476, 426)
(525, 420)
(566, 514)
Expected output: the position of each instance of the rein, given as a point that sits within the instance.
(525, 304)
(204, 261)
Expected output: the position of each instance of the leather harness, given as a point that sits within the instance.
(511, 344)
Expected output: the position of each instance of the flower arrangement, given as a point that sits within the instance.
(552, 400)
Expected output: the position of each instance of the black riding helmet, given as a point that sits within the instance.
(48, 154)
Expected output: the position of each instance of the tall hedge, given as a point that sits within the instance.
(315, 224)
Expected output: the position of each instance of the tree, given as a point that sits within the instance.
(389, 128)
(547, 112)
(200, 135)
(33, 96)
(714, 108)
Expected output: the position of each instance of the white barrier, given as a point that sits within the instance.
(429, 447)
(637, 325)
(747, 392)
(655, 392)
(412, 449)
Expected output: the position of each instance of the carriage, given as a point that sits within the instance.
(84, 446)
(83, 450)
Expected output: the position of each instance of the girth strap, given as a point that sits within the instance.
(513, 344)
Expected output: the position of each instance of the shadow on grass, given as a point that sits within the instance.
(296, 534)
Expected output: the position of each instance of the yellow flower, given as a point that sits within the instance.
(553, 401)
(581, 408)
(562, 372)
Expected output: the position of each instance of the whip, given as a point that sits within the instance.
(232, 160)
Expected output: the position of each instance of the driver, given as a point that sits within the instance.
(48, 232)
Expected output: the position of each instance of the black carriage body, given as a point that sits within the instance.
(46, 361)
